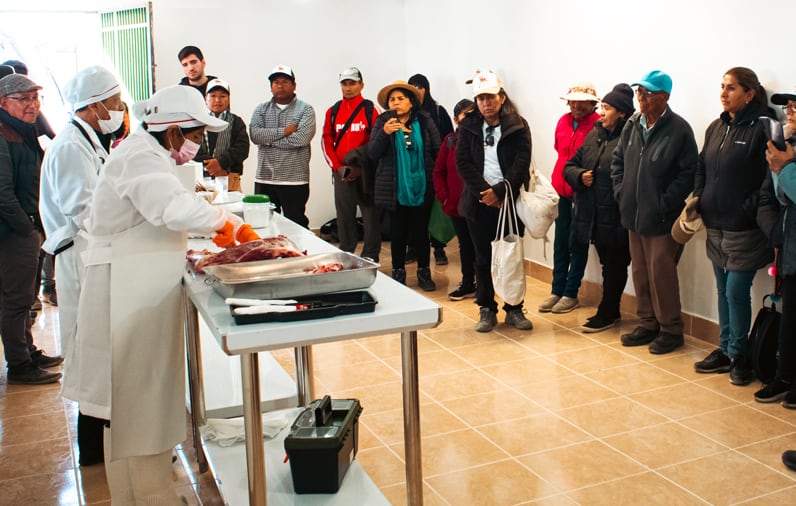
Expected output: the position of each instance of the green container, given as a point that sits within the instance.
(256, 199)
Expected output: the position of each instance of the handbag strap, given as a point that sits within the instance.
(508, 213)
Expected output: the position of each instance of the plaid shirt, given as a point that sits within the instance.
(280, 159)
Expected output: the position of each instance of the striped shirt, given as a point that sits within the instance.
(280, 159)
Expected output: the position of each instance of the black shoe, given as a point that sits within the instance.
(29, 374)
(716, 362)
(597, 323)
(399, 275)
(440, 258)
(789, 459)
(639, 337)
(41, 360)
(424, 280)
(790, 400)
(50, 297)
(411, 255)
(463, 292)
(486, 321)
(36, 305)
(773, 392)
(741, 372)
(666, 343)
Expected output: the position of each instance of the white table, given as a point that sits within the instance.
(399, 309)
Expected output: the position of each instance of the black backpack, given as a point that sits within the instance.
(367, 104)
(764, 341)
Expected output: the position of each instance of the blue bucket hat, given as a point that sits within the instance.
(655, 80)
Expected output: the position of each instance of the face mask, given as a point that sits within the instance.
(108, 126)
(186, 153)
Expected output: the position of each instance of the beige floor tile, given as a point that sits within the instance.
(377, 398)
(453, 320)
(31, 401)
(532, 370)
(455, 338)
(778, 498)
(720, 383)
(32, 428)
(492, 407)
(388, 426)
(345, 376)
(596, 358)
(432, 363)
(382, 465)
(682, 364)
(683, 400)
(566, 392)
(570, 320)
(632, 378)
(93, 483)
(738, 426)
(580, 465)
(532, 434)
(339, 354)
(445, 453)
(390, 346)
(44, 489)
(556, 340)
(495, 352)
(367, 437)
(611, 416)
(505, 482)
(553, 500)
(662, 445)
(53, 456)
(769, 452)
(646, 488)
(447, 386)
(747, 480)
(396, 494)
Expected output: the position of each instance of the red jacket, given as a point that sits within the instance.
(447, 181)
(356, 135)
(567, 141)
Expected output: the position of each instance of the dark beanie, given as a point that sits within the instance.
(621, 97)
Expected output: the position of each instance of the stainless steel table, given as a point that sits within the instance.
(399, 309)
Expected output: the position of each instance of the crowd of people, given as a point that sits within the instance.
(103, 197)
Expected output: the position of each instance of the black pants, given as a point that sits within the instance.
(466, 250)
(786, 363)
(409, 225)
(20, 273)
(290, 200)
(614, 257)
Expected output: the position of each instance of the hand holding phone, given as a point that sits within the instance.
(773, 130)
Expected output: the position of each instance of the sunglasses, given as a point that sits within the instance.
(489, 140)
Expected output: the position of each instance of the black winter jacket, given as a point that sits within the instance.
(652, 178)
(381, 150)
(20, 170)
(514, 156)
(731, 171)
(779, 226)
(596, 212)
(232, 159)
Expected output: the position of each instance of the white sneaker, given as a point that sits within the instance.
(565, 305)
(547, 305)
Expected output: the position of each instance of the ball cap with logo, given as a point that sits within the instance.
(485, 82)
(217, 83)
(282, 70)
(182, 106)
(351, 73)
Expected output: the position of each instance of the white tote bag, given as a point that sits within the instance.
(537, 207)
(508, 273)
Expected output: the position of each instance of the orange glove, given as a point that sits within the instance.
(246, 234)
(225, 236)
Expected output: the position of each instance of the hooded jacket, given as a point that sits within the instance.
(652, 177)
(732, 168)
(447, 181)
(20, 171)
(567, 140)
(596, 212)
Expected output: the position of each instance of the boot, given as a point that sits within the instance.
(424, 280)
(399, 275)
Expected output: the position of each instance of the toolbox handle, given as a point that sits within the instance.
(323, 413)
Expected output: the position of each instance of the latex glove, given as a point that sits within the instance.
(225, 236)
(246, 233)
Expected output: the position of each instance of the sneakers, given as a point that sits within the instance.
(790, 400)
(741, 372)
(29, 374)
(517, 319)
(547, 305)
(639, 337)
(773, 392)
(666, 343)
(487, 320)
(463, 292)
(716, 362)
(399, 275)
(440, 258)
(50, 297)
(565, 305)
(424, 280)
(41, 360)
(789, 459)
(597, 323)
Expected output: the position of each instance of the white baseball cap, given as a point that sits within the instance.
(92, 84)
(282, 70)
(217, 83)
(485, 81)
(177, 105)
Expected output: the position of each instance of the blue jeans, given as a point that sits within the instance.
(569, 255)
(735, 309)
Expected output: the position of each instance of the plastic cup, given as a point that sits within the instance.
(222, 184)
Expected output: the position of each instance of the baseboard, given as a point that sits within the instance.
(590, 294)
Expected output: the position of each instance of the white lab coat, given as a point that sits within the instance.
(69, 173)
(130, 319)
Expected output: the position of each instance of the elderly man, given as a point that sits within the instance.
(20, 230)
(69, 173)
(282, 128)
(653, 172)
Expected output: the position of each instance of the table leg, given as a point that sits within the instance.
(414, 469)
(305, 382)
(253, 425)
(195, 381)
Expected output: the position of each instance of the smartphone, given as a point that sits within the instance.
(773, 130)
(390, 114)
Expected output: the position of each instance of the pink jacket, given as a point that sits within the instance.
(567, 141)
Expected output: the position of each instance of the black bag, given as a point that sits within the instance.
(764, 341)
(329, 231)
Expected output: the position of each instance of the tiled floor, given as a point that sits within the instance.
(550, 416)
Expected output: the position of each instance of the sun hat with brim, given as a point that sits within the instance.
(485, 82)
(90, 85)
(384, 94)
(783, 97)
(655, 80)
(182, 106)
(688, 223)
(583, 91)
(16, 83)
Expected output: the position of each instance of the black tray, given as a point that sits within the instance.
(325, 305)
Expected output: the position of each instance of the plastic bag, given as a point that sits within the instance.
(537, 207)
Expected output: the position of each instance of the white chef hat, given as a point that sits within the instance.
(92, 84)
(177, 105)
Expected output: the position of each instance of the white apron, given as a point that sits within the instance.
(130, 342)
(68, 279)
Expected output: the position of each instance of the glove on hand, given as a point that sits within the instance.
(225, 236)
(246, 234)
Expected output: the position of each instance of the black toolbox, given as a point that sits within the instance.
(322, 443)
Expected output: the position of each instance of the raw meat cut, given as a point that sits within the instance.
(328, 267)
(266, 248)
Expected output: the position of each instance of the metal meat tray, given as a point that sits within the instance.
(291, 277)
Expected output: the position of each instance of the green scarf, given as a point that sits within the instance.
(411, 167)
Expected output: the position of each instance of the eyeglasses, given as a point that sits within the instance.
(644, 93)
(789, 108)
(489, 140)
(25, 100)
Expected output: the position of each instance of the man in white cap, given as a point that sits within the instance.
(69, 172)
(21, 230)
(282, 128)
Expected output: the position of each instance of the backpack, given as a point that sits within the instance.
(764, 341)
(367, 104)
